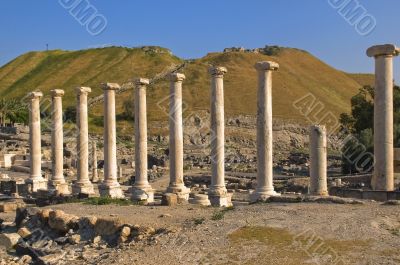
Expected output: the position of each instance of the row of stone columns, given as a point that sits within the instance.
(141, 189)
(218, 195)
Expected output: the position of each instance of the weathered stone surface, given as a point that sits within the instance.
(169, 199)
(8, 241)
(62, 222)
(107, 226)
(24, 213)
(7, 207)
(24, 232)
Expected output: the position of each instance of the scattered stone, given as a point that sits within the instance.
(74, 239)
(392, 202)
(107, 226)
(169, 199)
(126, 231)
(10, 240)
(62, 222)
(26, 259)
(24, 232)
(165, 215)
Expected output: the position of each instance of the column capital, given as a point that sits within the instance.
(218, 71)
(57, 93)
(141, 81)
(176, 77)
(110, 86)
(83, 90)
(318, 128)
(35, 95)
(266, 66)
(383, 50)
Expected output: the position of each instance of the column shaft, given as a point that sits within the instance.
(141, 190)
(318, 161)
(218, 194)
(35, 179)
(176, 185)
(383, 176)
(110, 186)
(83, 184)
(265, 185)
(57, 150)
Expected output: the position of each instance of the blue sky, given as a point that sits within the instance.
(193, 28)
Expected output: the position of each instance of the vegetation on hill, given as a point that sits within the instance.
(360, 123)
(300, 74)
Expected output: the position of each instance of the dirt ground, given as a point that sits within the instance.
(306, 233)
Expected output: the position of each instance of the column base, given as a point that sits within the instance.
(262, 195)
(220, 197)
(145, 194)
(38, 183)
(181, 191)
(319, 193)
(201, 199)
(61, 188)
(85, 188)
(114, 191)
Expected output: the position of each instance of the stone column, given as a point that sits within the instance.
(176, 185)
(83, 184)
(141, 189)
(318, 161)
(35, 179)
(218, 194)
(110, 186)
(265, 185)
(383, 177)
(95, 173)
(57, 181)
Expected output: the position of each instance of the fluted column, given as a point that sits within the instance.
(176, 184)
(265, 185)
(318, 161)
(95, 174)
(110, 186)
(141, 190)
(57, 181)
(218, 194)
(83, 184)
(35, 178)
(383, 177)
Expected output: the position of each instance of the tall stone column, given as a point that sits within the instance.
(265, 185)
(35, 179)
(95, 173)
(383, 177)
(57, 181)
(83, 184)
(176, 185)
(318, 161)
(110, 186)
(141, 189)
(218, 194)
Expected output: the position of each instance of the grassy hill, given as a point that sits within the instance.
(300, 73)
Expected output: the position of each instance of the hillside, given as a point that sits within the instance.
(364, 79)
(300, 73)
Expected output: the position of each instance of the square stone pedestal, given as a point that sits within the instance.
(222, 200)
(262, 196)
(181, 192)
(142, 194)
(84, 188)
(114, 192)
(59, 188)
(36, 184)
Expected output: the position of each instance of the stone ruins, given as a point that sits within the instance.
(217, 193)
